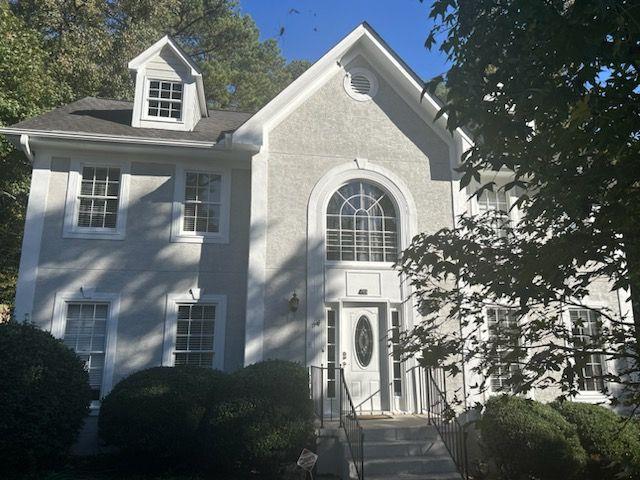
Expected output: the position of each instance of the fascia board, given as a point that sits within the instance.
(38, 135)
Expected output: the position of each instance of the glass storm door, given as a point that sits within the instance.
(361, 356)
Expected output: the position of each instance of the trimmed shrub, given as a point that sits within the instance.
(44, 397)
(614, 452)
(266, 423)
(528, 439)
(154, 414)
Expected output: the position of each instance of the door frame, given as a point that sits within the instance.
(388, 401)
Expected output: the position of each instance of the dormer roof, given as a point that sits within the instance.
(168, 51)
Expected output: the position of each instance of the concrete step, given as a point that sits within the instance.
(418, 476)
(405, 448)
(400, 433)
(415, 465)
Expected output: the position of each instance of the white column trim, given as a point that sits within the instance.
(256, 271)
(32, 238)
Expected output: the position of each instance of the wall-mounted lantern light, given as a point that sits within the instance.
(294, 303)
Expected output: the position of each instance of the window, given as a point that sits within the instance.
(396, 357)
(503, 328)
(361, 224)
(194, 334)
(495, 202)
(201, 206)
(202, 202)
(86, 322)
(85, 333)
(331, 354)
(586, 326)
(98, 198)
(165, 99)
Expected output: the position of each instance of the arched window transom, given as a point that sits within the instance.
(361, 224)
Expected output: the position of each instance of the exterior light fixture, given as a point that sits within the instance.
(294, 303)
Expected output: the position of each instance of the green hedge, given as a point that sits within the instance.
(614, 451)
(257, 418)
(530, 440)
(44, 397)
(266, 423)
(154, 414)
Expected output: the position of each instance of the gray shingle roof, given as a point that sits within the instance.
(113, 117)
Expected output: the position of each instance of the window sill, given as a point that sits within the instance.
(195, 238)
(359, 264)
(590, 397)
(94, 234)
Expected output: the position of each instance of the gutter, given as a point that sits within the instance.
(98, 137)
(26, 148)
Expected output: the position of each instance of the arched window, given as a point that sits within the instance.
(361, 224)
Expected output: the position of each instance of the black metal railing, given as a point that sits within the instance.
(432, 385)
(351, 426)
(325, 392)
(332, 402)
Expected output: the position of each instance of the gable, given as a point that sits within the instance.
(331, 123)
(365, 42)
(166, 64)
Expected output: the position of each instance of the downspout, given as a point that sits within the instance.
(26, 148)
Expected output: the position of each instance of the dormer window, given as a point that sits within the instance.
(165, 99)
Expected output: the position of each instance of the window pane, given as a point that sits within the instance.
(361, 224)
(195, 335)
(85, 333)
(202, 200)
(98, 198)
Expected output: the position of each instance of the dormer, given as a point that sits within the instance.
(169, 90)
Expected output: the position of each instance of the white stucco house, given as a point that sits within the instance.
(161, 233)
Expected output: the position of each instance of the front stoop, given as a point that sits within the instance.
(404, 448)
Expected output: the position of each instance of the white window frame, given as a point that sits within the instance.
(178, 234)
(59, 320)
(72, 204)
(171, 323)
(145, 110)
(590, 396)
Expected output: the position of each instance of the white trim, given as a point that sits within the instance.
(173, 299)
(373, 84)
(70, 227)
(98, 137)
(316, 256)
(58, 322)
(177, 232)
(255, 131)
(257, 266)
(144, 114)
(32, 239)
(590, 396)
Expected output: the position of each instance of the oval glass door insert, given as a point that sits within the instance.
(364, 341)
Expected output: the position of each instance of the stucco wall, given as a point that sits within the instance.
(327, 130)
(145, 266)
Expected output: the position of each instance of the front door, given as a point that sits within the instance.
(360, 347)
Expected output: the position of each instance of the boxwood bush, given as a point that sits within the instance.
(44, 397)
(266, 423)
(154, 414)
(530, 440)
(614, 451)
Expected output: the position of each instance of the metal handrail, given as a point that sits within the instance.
(352, 428)
(442, 416)
(347, 415)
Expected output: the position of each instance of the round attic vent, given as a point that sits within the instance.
(360, 84)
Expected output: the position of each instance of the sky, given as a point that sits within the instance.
(320, 24)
